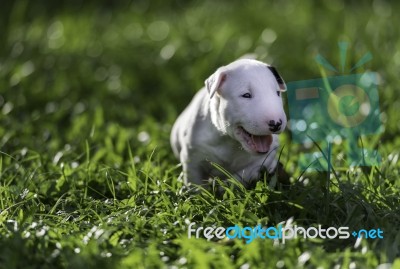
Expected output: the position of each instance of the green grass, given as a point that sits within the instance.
(88, 94)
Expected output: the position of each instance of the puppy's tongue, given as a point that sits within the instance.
(262, 142)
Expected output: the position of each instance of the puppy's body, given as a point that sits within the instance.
(233, 121)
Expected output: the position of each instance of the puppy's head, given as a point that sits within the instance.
(246, 103)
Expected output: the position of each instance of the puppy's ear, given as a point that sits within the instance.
(279, 79)
(215, 81)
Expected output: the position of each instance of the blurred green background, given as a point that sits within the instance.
(130, 61)
(89, 89)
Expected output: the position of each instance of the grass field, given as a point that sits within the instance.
(88, 94)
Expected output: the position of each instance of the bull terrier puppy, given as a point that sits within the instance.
(233, 121)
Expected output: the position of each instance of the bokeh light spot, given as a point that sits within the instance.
(167, 52)
(268, 36)
(158, 30)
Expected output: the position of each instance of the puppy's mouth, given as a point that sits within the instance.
(255, 143)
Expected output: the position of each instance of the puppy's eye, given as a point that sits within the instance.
(278, 93)
(246, 95)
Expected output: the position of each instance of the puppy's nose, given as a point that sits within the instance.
(275, 126)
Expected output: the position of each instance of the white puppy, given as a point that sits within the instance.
(233, 121)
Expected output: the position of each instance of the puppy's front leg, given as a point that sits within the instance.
(192, 171)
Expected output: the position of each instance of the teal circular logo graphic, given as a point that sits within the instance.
(348, 105)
